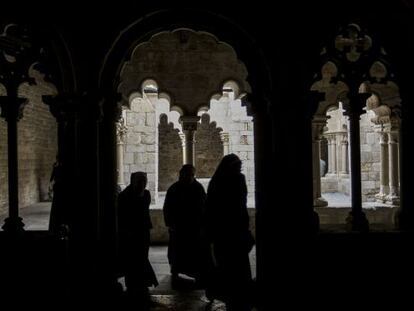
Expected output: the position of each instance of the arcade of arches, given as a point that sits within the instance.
(319, 116)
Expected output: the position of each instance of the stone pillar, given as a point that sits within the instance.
(344, 154)
(393, 197)
(332, 167)
(12, 110)
(384, 169)
(356, 220)
(225, 140)
(317, 127)
(189, 125)
(334, 157)
(121, 131)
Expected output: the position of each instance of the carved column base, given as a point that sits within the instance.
(13, 225)
(381, 197)
(357, 222)
(392, 199)
(320, 202)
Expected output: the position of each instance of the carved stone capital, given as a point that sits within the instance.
(121, 131)
(318, 125)
(189, 123)
(225, 138)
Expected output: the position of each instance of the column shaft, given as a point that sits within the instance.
(393, 196)
(384, 169)
(189, 147)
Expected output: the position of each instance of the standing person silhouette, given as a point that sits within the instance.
(183, 215)
(134, 225)
(228, 232)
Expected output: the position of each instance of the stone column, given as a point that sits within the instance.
(121, 131)
(317, 127)
(384, 169)
(393, 197)
(225, 139)
(189, 125)
(334, 157)
(332, 167)
(356, 220)
(12, 110)
(344, 154)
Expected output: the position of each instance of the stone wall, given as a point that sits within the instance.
(158, 149)
(370, 158)
(141, 144)
(232, 117)
(209, 148)
(170, 156)
(159, 232)
(37, 149)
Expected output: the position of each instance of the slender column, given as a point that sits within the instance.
(393, 196)
(121, 130)
(18, 54)
(12, 109)
(334, 157)
(189, 125)
(317, 128)
(225, 140)
(183, 145)
(344, 154)
(356, 220)
(384, 169)
(330, 156)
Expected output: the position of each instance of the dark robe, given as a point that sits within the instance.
(228, 230)
(183, 214)
(134, 238)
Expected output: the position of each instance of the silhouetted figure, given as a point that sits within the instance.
(58, 217)
(134, 236)
(188, 251)
(228, 231)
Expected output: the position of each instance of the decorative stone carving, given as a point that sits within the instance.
(189, 70)
(353, 42)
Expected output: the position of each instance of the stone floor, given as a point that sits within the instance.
(163, 297)
(186, 299)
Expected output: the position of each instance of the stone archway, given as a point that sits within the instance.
(357, 149)
(139, 33)
(189, 68)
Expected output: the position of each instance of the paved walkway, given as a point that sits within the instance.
(36, 217)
